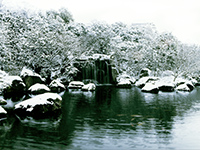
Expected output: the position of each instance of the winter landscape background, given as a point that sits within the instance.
(51, 41)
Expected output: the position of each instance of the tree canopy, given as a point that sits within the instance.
(52, 41)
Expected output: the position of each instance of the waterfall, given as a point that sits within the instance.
(99, 70)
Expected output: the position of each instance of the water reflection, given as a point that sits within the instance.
(116, 118)
(112, 118)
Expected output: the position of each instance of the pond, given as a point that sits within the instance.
(113, 118)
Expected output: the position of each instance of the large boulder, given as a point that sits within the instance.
(181, 82)
(124, 84)
(75, 85)
(142, 81)
(89, 87)
(150, 87)
(166, 84)
(38, 89)
(56, 86)
(30, 78)
(124, 76)
(12, 86)
(42, 106)
(183, 87)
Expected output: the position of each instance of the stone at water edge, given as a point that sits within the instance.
(89, 87)
(47, 105)
(142, 81)
(13, 86)
(30, 78)
(124, 84)
(56, 86)
(38, 89)
(183, 87)
(150, 88)
(76, 85)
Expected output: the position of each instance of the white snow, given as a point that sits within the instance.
(183, 87)
(124, 82)
(41, 99)
(150, 86)
(2, 110)
(56, 83)
(38, 86)
(76, 84)
(9, 79)
(124, 77)
(144, 80)
(101, 56)
(3, 74)
(89, 87)
(27, 72)
(166, 81)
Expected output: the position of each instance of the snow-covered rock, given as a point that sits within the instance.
(3, 113)
(124, 84)
(183, 87)
(150, 87)
(45, 105)
(145, 72)
(75, 85)
(89, 87)
(123, 77)
(3, 101)
(166, 84)
(142, 81)
(56, 86)
(12, 86)
(30, 78)
(189, 83)
(38, 89)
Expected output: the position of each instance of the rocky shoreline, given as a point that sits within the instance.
(28, 95)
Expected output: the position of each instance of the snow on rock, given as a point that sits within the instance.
(150, 87)
(41, 106)
(189, 83)
(3, 101)
(124, 84)
(101, 56)
(183, 87)
(142, 81)
(124, 76)
(38, 89)
(166, 84)
(56, 86)
(30, 78)
(145, 72)
(89, 87)
(3, 113)
(3, 74)
(12, 85)
(75, 85)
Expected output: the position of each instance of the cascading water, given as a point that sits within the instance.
(99, 70)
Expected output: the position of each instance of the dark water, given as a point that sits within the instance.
(112, 118)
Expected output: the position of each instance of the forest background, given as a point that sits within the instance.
(51, 42)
